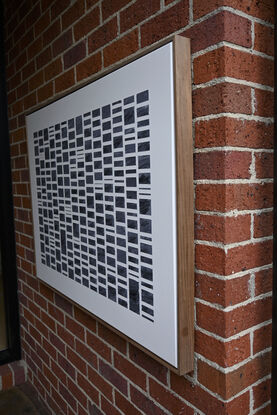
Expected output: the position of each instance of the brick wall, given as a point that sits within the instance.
(77, 365)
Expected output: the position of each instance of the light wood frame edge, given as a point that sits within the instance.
(184, 186)
(184, 202)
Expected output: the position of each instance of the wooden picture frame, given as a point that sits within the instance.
(111, 168)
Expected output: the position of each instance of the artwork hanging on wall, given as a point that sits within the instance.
(112, 200)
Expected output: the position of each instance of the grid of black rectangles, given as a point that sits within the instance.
(94, 201)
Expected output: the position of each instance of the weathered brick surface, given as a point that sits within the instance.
(223, 292)
(223, 229)
(263, 10)
(223, 26)
(226, 61)
(225, 131)
(77, 365)
(217, 165)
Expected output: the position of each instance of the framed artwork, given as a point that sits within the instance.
(112, 200)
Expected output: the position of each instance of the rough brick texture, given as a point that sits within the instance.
(77, 365)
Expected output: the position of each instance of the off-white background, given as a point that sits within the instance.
(155, 73)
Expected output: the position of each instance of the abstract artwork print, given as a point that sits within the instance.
(94, 201)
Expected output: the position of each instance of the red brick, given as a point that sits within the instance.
(227, 324)
(58, 400)
(30, 101)
(86, 353)
(99, 382)
(45, 4)
(53, 69)
(263, 224)
(108, 408)
(74, 55)
(21, 163)
(264, 165)
(44, 58)
(113, 377)
(216, 165)
(209, 258)
(76, 361)
(224, 26)
(34, 308)
(42, 24)
(225, 354)
(18, 135)
(230, 384)
(51, 33)
(223, 97)
(213, 259)
(7, 380)
(58, 372)
(263, 281)
(88, 388)
(17, 107)
(64, 304)
(103, 35)
(68, 396)
(171, 20)
(62, 43)
(12, 95)
(89, 22)
(65, 335)
(264, 103)
(34, 49)
(222, 229)
(230, 62)
(233, 132)
(75, 328)
(168, 400)
(64, 81)
(121, 48)
(111, 7)
(148, 363)
(137, 12)
(264, 411)
(223, 292)
(264, 39)
(46, 292)
(57, 343)
(49, 348)
(262, 393)
(130, 371)
(36, 80)
(27, 39)
(112, 338)
(89, 66)
(73, 13)
(263, 10)
(33, 16)
(262, 338)
(222, 198)
(99, 346)
(45, 92)
(85, 319)
(91, 3)
(19, 373)
(125, 405)
(14, 81)
(66, 366)
(77, 393)
(42, 355)
(58, 8)
(48, 321)
(56, 313)
(144, 403)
